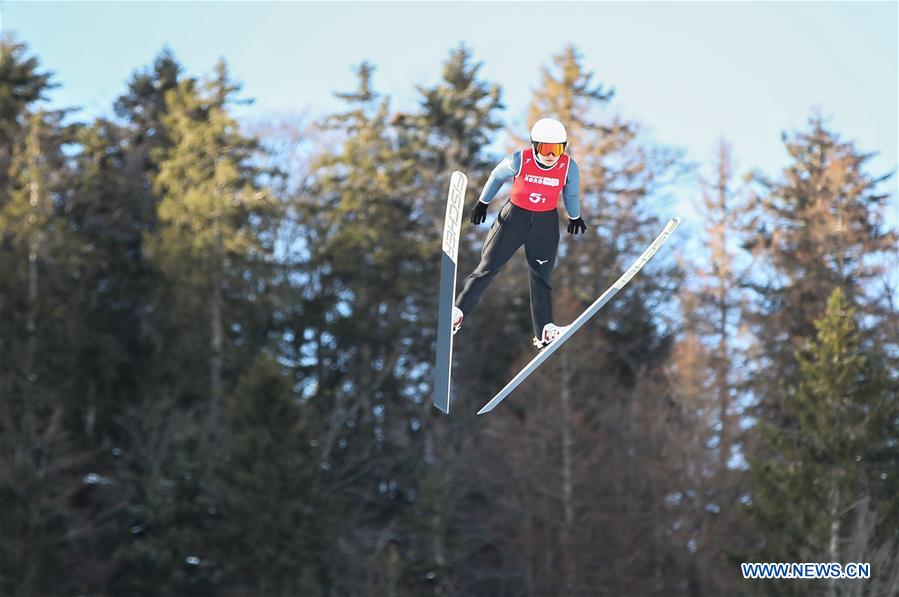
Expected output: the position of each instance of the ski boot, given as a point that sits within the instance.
(458, 316)
(551, 332)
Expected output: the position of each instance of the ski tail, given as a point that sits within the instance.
(584, 317)
(452, 225)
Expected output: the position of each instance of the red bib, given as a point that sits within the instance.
(535, 188)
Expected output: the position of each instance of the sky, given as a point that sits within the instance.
(690, 72)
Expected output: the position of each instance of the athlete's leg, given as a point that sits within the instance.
(506, 234)
(541, 248)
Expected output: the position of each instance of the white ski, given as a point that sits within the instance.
(583, 317)
(452, 224)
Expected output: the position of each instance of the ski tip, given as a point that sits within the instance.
(441, 408)
(485, 409)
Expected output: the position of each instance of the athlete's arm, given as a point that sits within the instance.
(504, 171)
(571, 192)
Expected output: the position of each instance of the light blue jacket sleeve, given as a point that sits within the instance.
(504, 171)
(571, 192)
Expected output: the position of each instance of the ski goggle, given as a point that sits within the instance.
(555, 149)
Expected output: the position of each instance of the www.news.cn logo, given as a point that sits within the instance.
(796, 570)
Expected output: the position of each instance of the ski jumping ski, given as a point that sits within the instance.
(583, 317)
(452, 224)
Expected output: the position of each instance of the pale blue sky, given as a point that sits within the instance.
(691, 72)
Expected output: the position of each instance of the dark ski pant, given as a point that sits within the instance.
(538, 231)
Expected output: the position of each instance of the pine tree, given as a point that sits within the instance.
(211, 249)
(819, 227)
(143, 107)
(366, 383)
(706, 368)
(458, 116)
(214, 224)
(840, 454)
(22, 85)
(41, 467)
(146, 141)
(451, 131)
(106, 254)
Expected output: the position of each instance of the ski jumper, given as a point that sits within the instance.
(528, 218)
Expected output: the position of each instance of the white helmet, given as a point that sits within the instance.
(548, 130)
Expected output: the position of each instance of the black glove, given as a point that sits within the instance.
(478, 213)
(576, 226)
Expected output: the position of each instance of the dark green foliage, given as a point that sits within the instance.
(22, 84)
(266, 476)
(832, 474)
